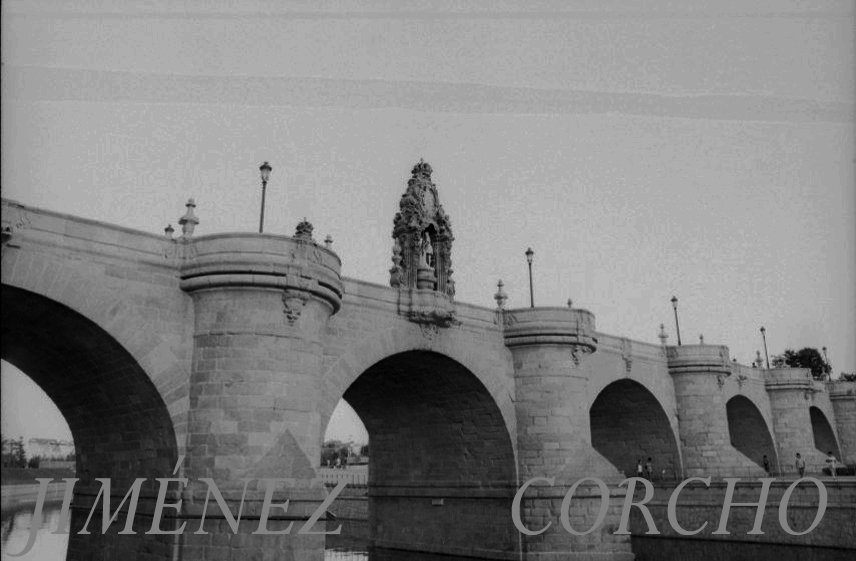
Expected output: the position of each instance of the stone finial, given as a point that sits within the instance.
(189, 221)
(422, 168)
(304, 230)
(570, 303)
(701, 339)
(662, 335)
(500, 295)
(328, 242)
(169, 231)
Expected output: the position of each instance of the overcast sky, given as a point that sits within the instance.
(642, 149)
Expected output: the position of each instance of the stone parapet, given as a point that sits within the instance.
(550, 326)
(841, 390)
(712, 359)
(264, 261)
(778, 379)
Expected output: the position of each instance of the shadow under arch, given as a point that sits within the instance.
(441, 462)
(824, 436)
(121, 427)
(629, 424)
(748, 431)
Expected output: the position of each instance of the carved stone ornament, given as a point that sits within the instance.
(304, 230)
(720, 380)
(741, 378)
(293, 302)
(423, 233)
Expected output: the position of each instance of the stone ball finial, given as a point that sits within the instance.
(501, 297)
(304, 230)
(701, 339)
(570, 303)
(189, 221)
(328, 242)
(169, 230)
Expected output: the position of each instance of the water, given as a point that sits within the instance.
(15, 531)
(51, 547)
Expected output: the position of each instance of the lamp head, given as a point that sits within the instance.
(264, 171)
(675, 302)
(529, 255)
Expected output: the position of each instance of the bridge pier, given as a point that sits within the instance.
(797, 427)
(260, 304)
(554, 438)
(843, 398)
(698, 373)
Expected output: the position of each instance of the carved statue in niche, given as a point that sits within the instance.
(428, 250)
(422, 233)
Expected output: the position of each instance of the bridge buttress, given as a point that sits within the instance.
(548, 346)
(261, 304)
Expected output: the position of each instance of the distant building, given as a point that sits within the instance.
(49, 448)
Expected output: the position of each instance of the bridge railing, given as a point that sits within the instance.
(352, 478)
(813, 469)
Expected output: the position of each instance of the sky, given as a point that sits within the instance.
(642, 149)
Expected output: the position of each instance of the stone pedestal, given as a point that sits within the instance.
(554, 437)
(260, 305)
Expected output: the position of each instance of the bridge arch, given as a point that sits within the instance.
(491, 367)
(628, 423)
(749, 433)
(824, 436)
(437, 438)
(122, 428)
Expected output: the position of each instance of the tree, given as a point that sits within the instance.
(810, 358)
(364, 451)
(847, 376)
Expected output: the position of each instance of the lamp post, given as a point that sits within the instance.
(529, 255)
(766, 355)
(264, 171)
(677, 325)
(826, 360)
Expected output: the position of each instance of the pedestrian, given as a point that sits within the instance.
(800, 465)
(830, 460)
(649, 470)
(639, 470)
(766, 464)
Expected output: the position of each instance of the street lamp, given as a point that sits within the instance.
(264, 171)
(677, 325)
(529, 255)
(766, 355)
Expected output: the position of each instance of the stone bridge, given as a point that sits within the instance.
(226, 354)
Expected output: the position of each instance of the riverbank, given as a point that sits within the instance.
(16, 496)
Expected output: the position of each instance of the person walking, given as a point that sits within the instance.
(649, 470)
(831, 461)
(800, 463)
(766, 464)
(639, 471)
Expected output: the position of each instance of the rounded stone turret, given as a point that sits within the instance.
(261, 305)
(548, 346)
(698, 374)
